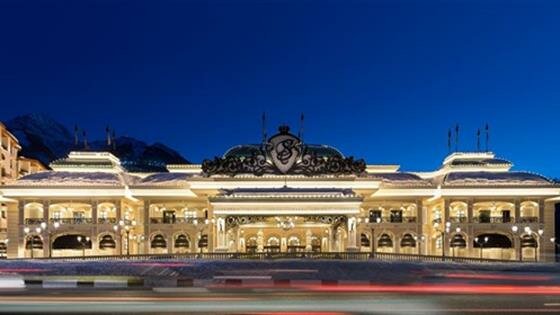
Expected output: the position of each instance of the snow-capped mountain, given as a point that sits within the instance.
(45, 139)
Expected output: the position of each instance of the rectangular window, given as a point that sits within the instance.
(484, 216)
(396, 216)
(506, 216)
(373, 215)
(3, 212)
(169, 217)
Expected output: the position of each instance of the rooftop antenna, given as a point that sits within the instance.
(478, 140)
(457, 138)
(300, 133)
(487, 130)
(85, 141)
(114, 142)
(108, 135)
(449, 140)
(263, 128)
(76, 130)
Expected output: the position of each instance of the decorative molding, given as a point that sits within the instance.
(283, 154)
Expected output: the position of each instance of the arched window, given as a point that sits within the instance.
(385, 241)
(107, 242)
(158, 241)
(458, 241)
(182, 241)
(364, 240)
(408, 241)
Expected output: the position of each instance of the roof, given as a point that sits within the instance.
(285, 190)
(286, 193)
(165, 179)
(492, 161)
(495, 178)
(58, 178)
(398, 179)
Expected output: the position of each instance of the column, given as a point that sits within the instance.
(21, 224)
(260, 240)
(221, 234)
(15, 233)
(46, 238)
(146, 223)
(308, 240)
(351, 241)
(541, 211)
(94, 229)
(445, 240)
(118, 235)
(470, 211)
(517, 210)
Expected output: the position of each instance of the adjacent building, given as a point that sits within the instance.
(282, 195)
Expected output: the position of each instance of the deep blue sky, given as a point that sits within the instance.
(379, 80)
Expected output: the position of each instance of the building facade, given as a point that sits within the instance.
(9, 148)
(282, 195)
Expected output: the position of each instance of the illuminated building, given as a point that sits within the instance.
(282, 195)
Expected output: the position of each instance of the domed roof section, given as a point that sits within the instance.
(496, 178)
(243, 151)
(248, 150)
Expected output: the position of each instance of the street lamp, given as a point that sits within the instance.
(85, 241)
(50, 231)
(127, 226)
(377, 220)
(481, 243)
(457, 231)
(26, 230)
(419, 241)
(443, 232)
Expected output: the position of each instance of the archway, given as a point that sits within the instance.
(158, 244)
(71, 245)
(493, 246)
(385, 243)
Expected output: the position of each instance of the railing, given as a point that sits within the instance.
(106, 220)
(492, 220)
(293, 255)
(32, 221)
(72, 220)
(458, 219)
(528, 220)
(177, 220)
(394, 220)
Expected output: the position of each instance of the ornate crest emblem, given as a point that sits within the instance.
(284, 150)
(283, 153)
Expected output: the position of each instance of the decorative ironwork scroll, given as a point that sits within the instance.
(284, 153)
(233, 221)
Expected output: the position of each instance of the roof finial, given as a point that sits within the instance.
(108, 135)
(487, 129)
(478, 140)
(457, 138)
(263, 122)
(449, 140)
(114, 140)
(300, 133)
(86, 147)
(76, 130)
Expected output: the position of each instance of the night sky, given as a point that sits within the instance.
(379, 80)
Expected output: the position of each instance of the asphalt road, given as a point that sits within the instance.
(269, 300)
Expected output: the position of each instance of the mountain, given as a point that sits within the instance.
(45, 139)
